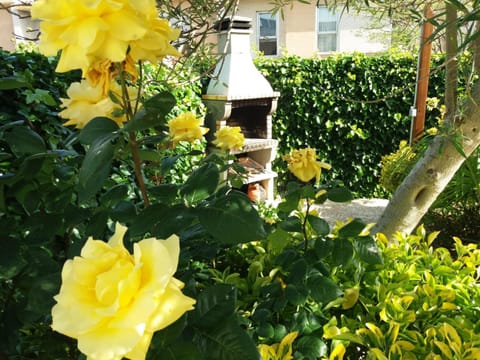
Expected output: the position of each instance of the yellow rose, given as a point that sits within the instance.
(86, 102)
(112, 301)
(101, 74)
(155, 45)
(229, 138)
(304, 165)
(186, 127)
(86, 31)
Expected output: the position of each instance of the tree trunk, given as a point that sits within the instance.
(433, 172)
(451, 69)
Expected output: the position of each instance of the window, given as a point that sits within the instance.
(327, 22)
(267, 33)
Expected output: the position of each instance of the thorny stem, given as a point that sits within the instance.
(138, 169)
(129, 111)
(304, 227)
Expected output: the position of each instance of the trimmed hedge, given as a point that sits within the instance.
(352, 108)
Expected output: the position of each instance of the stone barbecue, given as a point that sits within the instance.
(239, 95)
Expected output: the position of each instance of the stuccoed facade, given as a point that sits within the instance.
(306, 30)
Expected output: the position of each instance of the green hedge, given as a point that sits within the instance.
(352, 108)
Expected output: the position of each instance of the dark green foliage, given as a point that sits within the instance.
(351, 108)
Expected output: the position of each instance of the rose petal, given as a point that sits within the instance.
(106, 343)
(172, 305)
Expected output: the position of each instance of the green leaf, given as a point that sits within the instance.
(98, 224)
(214, 305)
(368, 250)
(97, 128)
(12, 82)
(231, 219)
(39, 96)
(291, 224)
(153, 113)
(180, 350)
(11, 260)
(149, 155)
(200, 184)
(123, 211)
(40, 296)
(319, 225)
(308, 192)
(298, 271)
(323, 289)
(114, 195)
(42, 227)
(290, 202)
(352, 229)
(161, 220)
(174, 221)
(278, 240)
(168, 163)
(323, 247)
(342, 251)
(297, 295)
(166, 193)
(95, 168)
(340, 194)
(161, 103)
(169, 335)
(311, 347)
(227, 341)
(24, 141)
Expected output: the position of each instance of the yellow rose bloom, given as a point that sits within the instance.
(155, 45)
(229, 138)
(86, 102)
(101, 74)
(86, 30)
(304, 165)
(186, 127)
(112, 301)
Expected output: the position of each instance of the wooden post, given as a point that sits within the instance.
(423, 74)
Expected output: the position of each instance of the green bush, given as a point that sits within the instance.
(348, 292)
(351, 108)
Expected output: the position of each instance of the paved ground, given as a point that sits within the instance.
(369, 210)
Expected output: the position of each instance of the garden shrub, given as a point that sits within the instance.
(421, 304)
(354, 295)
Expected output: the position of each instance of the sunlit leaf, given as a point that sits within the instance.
(231, 219)
(96, 129)
(200, 184)
(95, 167)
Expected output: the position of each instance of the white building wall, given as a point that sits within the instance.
(358, 33)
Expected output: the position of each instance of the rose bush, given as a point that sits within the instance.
(113, 301)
